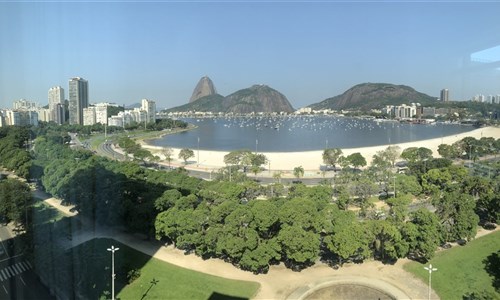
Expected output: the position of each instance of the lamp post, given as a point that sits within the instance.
(394, 178)
(113, 249)
(198, 151)
(470, 155)
(430, 269)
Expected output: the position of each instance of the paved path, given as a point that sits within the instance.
(280, 282)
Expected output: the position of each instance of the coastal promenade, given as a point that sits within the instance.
(311, 161)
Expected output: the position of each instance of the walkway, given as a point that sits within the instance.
(280, 282)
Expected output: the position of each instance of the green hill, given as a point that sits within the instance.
(211, 103)
(367, 96)
(258, 98)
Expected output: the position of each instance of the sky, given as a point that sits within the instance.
(309, 51)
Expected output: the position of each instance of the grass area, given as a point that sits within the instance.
(461, 269)
(43, 213)
(84, 272)
(161, 280)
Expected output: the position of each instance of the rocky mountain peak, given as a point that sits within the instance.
(205, 87)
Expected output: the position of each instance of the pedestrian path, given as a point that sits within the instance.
(14, 270)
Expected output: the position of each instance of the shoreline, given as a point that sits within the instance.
(311, 161)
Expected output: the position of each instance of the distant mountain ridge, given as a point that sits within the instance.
(255, 99)
(366, 96)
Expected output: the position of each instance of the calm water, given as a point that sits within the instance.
(289, 134)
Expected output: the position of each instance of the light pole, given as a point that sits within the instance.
(256, 143)
(198, 152)
(430, 269)
(394, 177)
(113, 249)
(470, 155)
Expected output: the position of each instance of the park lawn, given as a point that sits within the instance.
(43, 213)
(172, 282)
(461, 269)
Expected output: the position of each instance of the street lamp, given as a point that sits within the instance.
(394, 177)
(430, 269)
(198, 152)
(470, 155)
(113, 249)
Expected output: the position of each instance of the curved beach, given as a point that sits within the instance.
(312, 160)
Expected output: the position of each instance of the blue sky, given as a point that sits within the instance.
(308, 51)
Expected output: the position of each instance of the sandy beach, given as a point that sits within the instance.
(312, 160)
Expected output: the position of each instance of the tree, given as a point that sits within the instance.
(331, 156)
(392, 153)
(236, 157)
(356, 160)
(348, 239)
(300, 212)
(386, 240)
(298, 172)
(259, 259)
(15, 201)
(265, 215)
(167, 200)
(422, 234)
(186, 154)
(407, 184)
(300, 247)
(448, 151)
(168, 152)
(277, 175)
(414, 154)
(455, 211)
(398, 208)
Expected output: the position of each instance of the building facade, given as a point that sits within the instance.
(89, 115)
(149, 107)
(445, 95)
(56, 104)
(78, 99)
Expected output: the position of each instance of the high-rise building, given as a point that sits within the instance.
(78, 99)
(56, 104)
(445, 95)
(150, 108)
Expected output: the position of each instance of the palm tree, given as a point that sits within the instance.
(298, 172)
(277, 175)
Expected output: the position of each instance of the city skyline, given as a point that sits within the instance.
(307, 51)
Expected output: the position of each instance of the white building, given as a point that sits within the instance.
(101, 114)
(24, 104)
(115, 121)
(44, 114)
(303, 110)
(402, 111)
(56, 104)
(89, 116)
(21, 117)
(150, 108)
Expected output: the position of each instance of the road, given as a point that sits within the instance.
(106, 149)
(17, 278)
